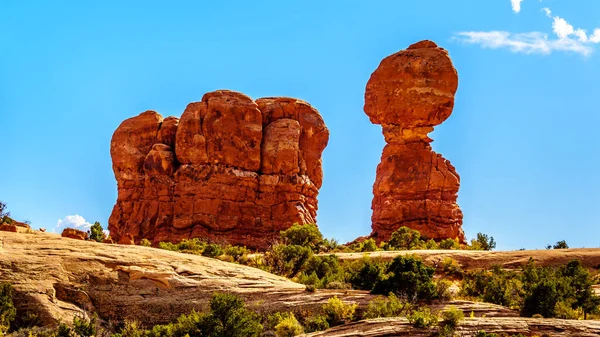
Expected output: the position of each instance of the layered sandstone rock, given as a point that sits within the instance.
(408, 94)
(73, 233)
(231, 169)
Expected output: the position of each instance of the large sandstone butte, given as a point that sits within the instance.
(230, 169)
(408, 94)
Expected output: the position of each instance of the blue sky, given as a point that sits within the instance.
(522, 135)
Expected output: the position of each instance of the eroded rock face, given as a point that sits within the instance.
(231, 169)
(408, 94)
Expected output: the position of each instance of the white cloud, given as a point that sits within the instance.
(567, 38)
(595, 37)
(562, 28)
(72, 221)
(547, 11)
(528, 43)
(516, 5)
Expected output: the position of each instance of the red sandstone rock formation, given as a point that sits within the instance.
(73, 233)
(15, 227)
(231, 169)
(408, 94)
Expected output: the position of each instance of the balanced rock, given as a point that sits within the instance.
(231, 169)
(408, 94)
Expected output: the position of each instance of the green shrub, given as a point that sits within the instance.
(368, 245)
(390, 306)
(442, 289)
(287, 260)
(321, 271)
(190, 246)
(564, 291)
(483, 242)
(329, 245)
(7, 308)
(452, 317)
(316, 323)
(303, 235)
(84, 328)
(449, 244)
(562, 244)
(212, 250)
(422, 319)
(564, 310)
(404, 239)
(229, 317)
(168, 246)
(337, 312)
(236, 252)
(409, 278)
(431, 245)
(496, 286)
(366, 272)
(324, 266)
(4, 214)
(96, 232)
(288, 327)
(450, 267)
(131, 329)
(146, 243)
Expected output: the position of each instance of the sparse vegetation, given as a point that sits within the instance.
(288, 327)
(337, 312)
(96, 232)
(7, 308)
(390, 306)
(316, 323)
(4, 214)
(564, 291)
(409, 278)
(562, 244)
(422, 318)
(483, 242)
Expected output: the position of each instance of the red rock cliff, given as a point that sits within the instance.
(230, 169)
(408, 94)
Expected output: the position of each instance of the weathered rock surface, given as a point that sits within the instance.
(73, 233)
(231, 169)
(469, 327)
(58, 278)
(478, 260)
(408, 94)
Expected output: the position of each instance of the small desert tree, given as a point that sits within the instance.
(483, 242)
(96, 232)
(562, 244)
(4, 215)
(303, 235)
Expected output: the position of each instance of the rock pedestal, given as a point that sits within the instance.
(408, 94)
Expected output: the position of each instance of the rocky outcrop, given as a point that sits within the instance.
(58, 278)
(469, 327)
(408, 94)
(15, 227)
(230, 169)
(73, 233)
